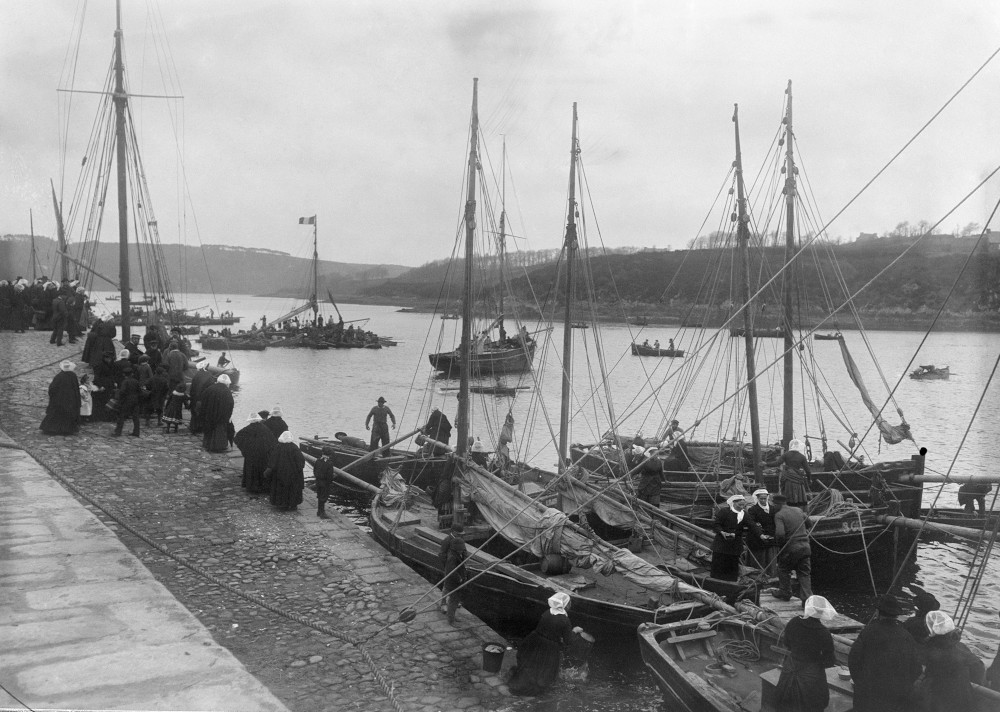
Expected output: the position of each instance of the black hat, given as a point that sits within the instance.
(889, 606)
(457, 528)
(381, 400)
(926, 602)
(779, 498)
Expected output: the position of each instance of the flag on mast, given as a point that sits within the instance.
(307, 221)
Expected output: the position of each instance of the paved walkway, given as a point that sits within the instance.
(219, 552)
(85, 625)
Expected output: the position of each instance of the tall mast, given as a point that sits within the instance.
(60, 236)
(503, 236)
(571, 246)
(33, 259)
(787, 426)
(315, 294)
(465, 357)
(743, 238)
(121, 102)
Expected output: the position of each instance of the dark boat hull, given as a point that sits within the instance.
(420, 471)
(223, 344)
(488, 363)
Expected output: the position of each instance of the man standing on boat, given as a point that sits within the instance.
(380, 433)
(438, 428)
(792, 535)
(762, 545)
(651, 478)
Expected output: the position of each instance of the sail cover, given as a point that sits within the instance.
(542, 530)
(892, 434)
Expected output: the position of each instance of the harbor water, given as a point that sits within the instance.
(322, 392)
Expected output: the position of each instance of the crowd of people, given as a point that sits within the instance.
(140, 383)
(43, 305)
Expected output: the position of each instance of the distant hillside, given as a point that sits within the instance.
(658, 283)
(218, 268)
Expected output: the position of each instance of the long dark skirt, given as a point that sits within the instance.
(217, 437)
(802, 687)
(254, 479)
(537, 668)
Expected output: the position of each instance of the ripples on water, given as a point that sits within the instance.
(322, 392)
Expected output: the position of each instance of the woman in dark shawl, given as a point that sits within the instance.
(256, 442)
(103, 342)
(199, 383)
(216, 408)
(285, 470)
(275, 423)
(802, 686)
(538, 657)
(88, 345)
(62, 416)
(104, 379)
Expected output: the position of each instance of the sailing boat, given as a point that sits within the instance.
(700, 473)
(531, 540)
(490, 356)
(317, 335)
(114, 139)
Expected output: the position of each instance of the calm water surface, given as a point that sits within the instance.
(322, 392)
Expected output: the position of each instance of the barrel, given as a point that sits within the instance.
(493, 657)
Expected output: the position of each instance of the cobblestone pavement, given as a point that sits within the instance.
(328, 572)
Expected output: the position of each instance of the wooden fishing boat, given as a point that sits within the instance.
(961, 518)
(345, 451)
(231, 343)
(694, 665)
(828, 337)
(733, 664)
(758, 333)
(930, 372)
(511, 575)
(645, 350)
(494, 358)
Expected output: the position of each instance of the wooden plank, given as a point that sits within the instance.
(701, 634)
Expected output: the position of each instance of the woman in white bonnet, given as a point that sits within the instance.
(539, 656)
(802, 686)
(950, 667)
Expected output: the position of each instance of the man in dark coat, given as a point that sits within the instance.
(128, 401)
(275, 422)
(323, 471)
(176, 365)
(380, 430)
(62, 415)
(791, 533)
(651, 478)
(134, 352)
(256, 442)
(884, 663)
(916, 626)
(199, 382)
(285, 470)
(59, 317)
(438, 426)
(731, 526)
(762, 546)
(452, 557)
(216, 411)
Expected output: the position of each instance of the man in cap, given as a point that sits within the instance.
(762, 546)
(884, 663)
(651, 478)
(950, 667)
(452, 556)
(924, 604)
(379, 413)
(731, 524)
(792, 537)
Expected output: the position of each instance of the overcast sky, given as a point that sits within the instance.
(358, 111)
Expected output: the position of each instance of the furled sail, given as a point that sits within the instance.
(543, 530)
(892, 434)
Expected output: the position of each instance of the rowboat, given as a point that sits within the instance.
(930, 372)
(644, 350)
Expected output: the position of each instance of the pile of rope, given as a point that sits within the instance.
(831, 503)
